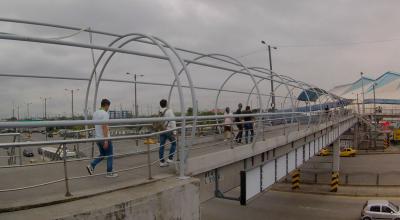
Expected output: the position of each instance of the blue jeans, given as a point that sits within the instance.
(163, 139)
(104, 153)
(248, 127)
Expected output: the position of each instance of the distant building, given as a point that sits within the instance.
(118, 114)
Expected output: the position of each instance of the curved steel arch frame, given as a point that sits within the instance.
(174, 69)
(244, 68)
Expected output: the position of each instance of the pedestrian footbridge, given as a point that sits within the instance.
(292, 119)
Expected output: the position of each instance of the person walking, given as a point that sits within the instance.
(248, 125)
(170, 135)
(228, 121)
(239, 125)
(105, 146)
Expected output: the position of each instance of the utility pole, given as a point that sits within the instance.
(272, 78)
(72, 100)
(45, 106)
(17, 112)
(13, 111)
(362, 83)
(373, 88)
(135, 101)
(27, 109)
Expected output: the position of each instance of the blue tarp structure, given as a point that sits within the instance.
(311, 94)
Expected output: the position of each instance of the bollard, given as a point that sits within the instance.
(296, 179)
(335, 181)
(386, 142)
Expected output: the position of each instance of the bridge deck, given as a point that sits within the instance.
(26, 176)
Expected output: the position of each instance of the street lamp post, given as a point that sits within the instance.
(45, 106)
(135, 103)
(373, 88)
(17, 112)
(27, 109)
(272, 80)
(362, 83)
(72, 100)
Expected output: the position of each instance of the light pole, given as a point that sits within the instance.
(373, 88)
(134, 81)
(362, 83)
(72, 100)
(17, 112)
(272, 80)
(27, 109)
(45, 106)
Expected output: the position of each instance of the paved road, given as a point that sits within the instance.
(286, 206)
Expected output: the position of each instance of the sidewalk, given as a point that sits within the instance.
(376, 191)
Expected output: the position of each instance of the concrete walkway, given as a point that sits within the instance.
(31, 175)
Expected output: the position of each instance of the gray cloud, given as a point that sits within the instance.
(231, 27)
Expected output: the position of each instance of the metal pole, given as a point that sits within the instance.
(148, 159)
(45, 108)
(373, 88)
(358, 105)
(72, 101)
(136, 107)
(362, 83)
(272, 81)
(13, 110)
(67, 193)
(17, 112)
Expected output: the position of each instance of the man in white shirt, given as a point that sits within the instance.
(171, 136)
(105, 146)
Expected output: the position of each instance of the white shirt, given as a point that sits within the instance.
(100, 115)
(168, 114)
(228, 120)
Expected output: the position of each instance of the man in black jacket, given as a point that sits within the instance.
(239, 125)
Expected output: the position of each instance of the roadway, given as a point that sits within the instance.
(287, 206)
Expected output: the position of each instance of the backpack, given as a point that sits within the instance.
(160, 125)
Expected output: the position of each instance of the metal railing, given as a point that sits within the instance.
(264, 123)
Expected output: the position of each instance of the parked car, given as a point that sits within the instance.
(28, 152)
(348, 152)
(324, 152)
(380, 209)
(345, 152)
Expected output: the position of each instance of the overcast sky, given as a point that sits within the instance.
(319, 42)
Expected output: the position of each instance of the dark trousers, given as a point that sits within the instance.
(249, 127)
(240, 133)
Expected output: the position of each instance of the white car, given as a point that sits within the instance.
(380, 209)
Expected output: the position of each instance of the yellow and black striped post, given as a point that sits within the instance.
(296, 179)
(335, 181)
(386, 142)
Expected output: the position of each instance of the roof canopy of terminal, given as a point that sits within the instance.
(387, 89)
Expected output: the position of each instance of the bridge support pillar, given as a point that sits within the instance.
(335, 165)
(356, 136)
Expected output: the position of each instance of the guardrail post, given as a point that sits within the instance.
(67, 193)
(377, 179)
(148, 158)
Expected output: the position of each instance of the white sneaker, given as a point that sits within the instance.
(112, 175)
(90, 169)
(163, 164)
(170, 161)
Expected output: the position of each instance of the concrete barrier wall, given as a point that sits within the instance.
(167, 199)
